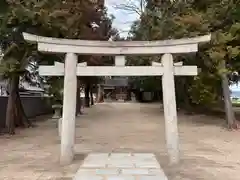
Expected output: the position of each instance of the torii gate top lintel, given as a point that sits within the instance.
(57, 45)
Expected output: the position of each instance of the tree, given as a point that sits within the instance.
(60, 19)
(17, 55)
(177, 19)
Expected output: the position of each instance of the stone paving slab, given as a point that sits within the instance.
(120, 166)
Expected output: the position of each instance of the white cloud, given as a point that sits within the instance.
(124, 19)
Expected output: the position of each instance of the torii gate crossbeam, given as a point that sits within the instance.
(154, 70)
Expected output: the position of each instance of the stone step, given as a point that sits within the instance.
(120, 166)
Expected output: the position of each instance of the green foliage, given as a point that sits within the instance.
(177, 19)
(12, 64)
(56, 89)
(147, 83)
(204, 90)
(17, 56)
(55, 18)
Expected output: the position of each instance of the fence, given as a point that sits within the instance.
(33, 106)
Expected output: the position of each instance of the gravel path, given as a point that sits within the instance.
(208, 151)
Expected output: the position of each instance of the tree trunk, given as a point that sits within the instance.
(11, 105)
(185, 102)
(91, 96)
(87, 98)
(15, 115)
(78, 105)
(24, 121)
(18, 117)
(230, 116)
(99, 94)
(129, 94)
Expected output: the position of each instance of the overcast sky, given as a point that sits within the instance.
(123, 19)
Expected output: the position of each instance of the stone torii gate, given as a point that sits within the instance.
(71, 69)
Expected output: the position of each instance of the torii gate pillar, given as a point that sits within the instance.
(69, 109)
(170, 109)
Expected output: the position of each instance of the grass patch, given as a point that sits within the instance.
(236, 104)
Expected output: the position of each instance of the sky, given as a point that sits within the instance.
(235, 87)
(123, 19)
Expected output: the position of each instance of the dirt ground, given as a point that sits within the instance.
(208, 151)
